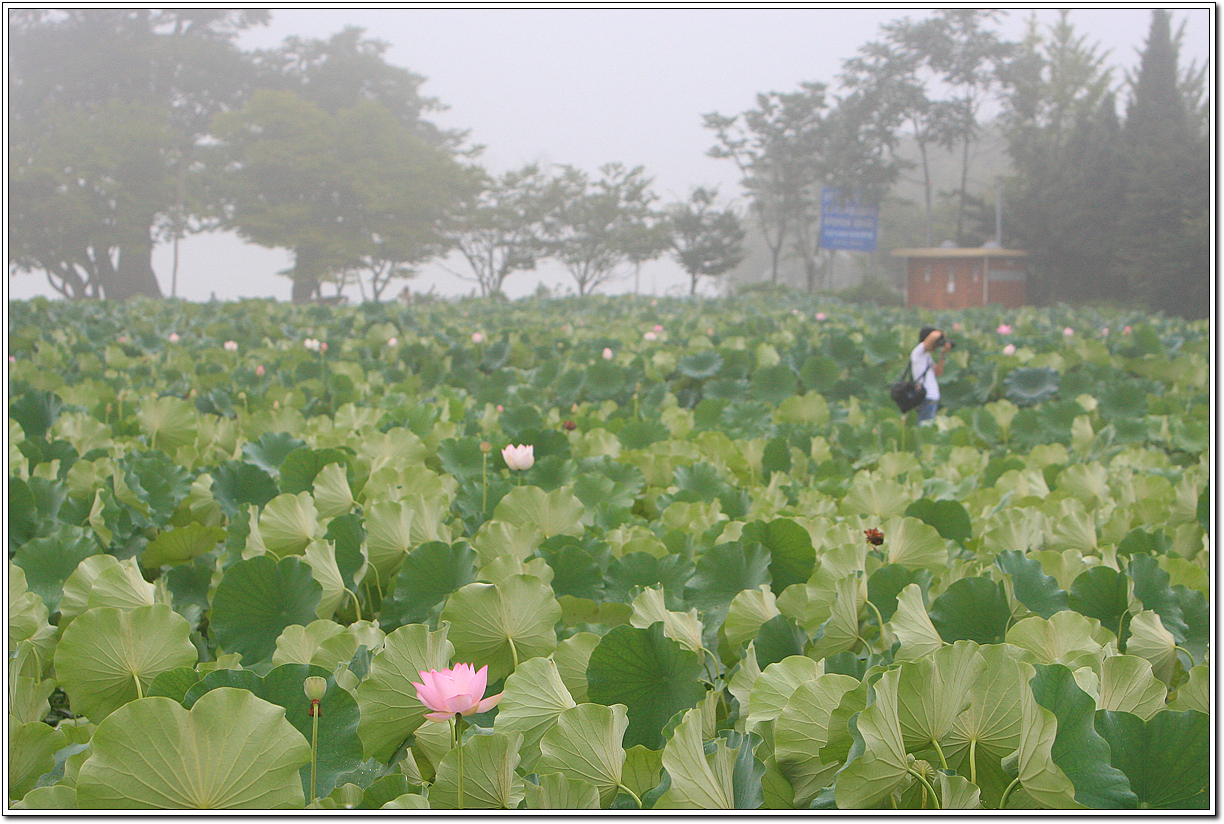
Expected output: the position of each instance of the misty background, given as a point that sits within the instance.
(587, 87)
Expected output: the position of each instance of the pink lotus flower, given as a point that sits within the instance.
(520, 457)
(1126, 330)
(12, 359)
(1104, 331)
(174, 338)
(311, 344)
(477, 337)
(393, 342)
(607, 353)
(821, 316)
(710, 331)
(501, 408)
(230, 346)
(322, 346)
(1068, 331)
(1010, 349)
(658, 327)
(650, 337)
(123, 338)
(259, 370)
(458, 691)
(1004, 329)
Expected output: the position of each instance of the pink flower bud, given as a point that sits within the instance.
(174, 338)
(1068, 331)
(230, 346)
(1126, 330)
(650, 337)
(821, 316)
(658, 327)
(607, 353)
(477, 337)
(393, 342)
(1010, 349)
(259, 370)
(1004, 329)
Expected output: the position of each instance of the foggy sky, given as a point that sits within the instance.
(591, 86)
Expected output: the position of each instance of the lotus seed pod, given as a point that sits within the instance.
(315, 687)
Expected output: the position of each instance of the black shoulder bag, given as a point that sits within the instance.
(906, 392)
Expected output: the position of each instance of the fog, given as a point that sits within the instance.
(591, 86)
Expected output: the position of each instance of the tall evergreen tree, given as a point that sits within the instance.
(1163, 242)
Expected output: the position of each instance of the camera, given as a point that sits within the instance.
(942, 339)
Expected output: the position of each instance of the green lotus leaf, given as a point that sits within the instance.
(1036, 590)
(390, 711)
(1151, 641)
(875, 497)
(300, 468)
(289, 523)
(604, 380)
(181, 545)
(36, 411)
(585, 744)
(774, 686)
(554, 513)
(174, 683)
(725, 570)
(576, 572)
(120, 585)
(841, 631)
(1029, 386)
(949, 518)
(819, 373)
(641, 434)
(701, 781)
(1126, 684)
(559, 792)
(462, 458)
(1122, 399)
(1104, 594)
(489, 778)
(683, 627)
(168, 422)
(502, 625)
(32, 748)
(429, 573)
(748, 611)
(801, 729)
(1059, 639)
(914, 544)
(47, 562)
(232, 750)
(957, 793)
(54, 797)
(773, 384)
(339, 750)
(973, 609)
(269, 451)
(634, 572)
(109, 656)
(1182, 612)
(77, 586)
(1195, 694)
(1078, 750)
(778, 638)
(533, 697)
(650, 674)
(877, 764)
(791, 555)
(700, 365)
(1072, 525)
(988, 731)
(912, 627)
(934, 691)
(407, 801)
(257, 599)
(887, 582)
(642, 770)
(1166, 758)
(236, 483)
(388, 527)
(332, 494)
(572, 656)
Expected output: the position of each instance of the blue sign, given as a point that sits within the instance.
(846, 224)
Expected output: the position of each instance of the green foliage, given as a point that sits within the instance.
(679, 604)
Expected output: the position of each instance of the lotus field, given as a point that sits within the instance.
(610, 552)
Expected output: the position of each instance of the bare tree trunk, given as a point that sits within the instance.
(133, 276)
(305, 275)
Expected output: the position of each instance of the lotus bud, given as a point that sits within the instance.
(315, 687)
(1068, 331)
(607, 353)
(658, 327)
(174, 338)
(323, 346)
(650, 337)
(821, 316)
(393, 342)
(1010, 349)
(477, 337)
(259, 370)
(1004, 329)
(486, 447)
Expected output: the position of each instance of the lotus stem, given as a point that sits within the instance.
(513, 653)
(139, 691)
(314, 747)
(356, 602)
(484, 483)
(1007, 793)
(880, 620)
(973, 761)
(632, 795)
(457, 732)
(926, 786)
(943, 762)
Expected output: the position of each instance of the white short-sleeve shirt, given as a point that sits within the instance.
(920, 362)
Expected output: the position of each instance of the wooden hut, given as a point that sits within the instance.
(959, 278)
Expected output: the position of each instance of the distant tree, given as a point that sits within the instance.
(1062, 131)
(332, 160)
(598, 226)
(499, 227)
(350, 193)
(774, 146)
(1164, 237)
(706, 241)
(108, 109)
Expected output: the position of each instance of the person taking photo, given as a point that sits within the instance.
(928, 370)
